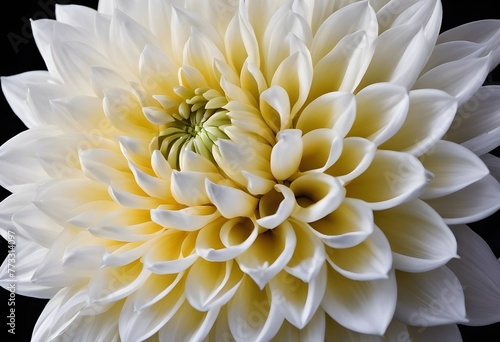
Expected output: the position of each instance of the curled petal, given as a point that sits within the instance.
(262, 263)
(224, 240)
(248, 301)
(187, 219)
(210, 285)
(317, 195)
(350, 224)
(368, 260)
(286, 154)
(322, 148)
(276, 206)
(230, 202)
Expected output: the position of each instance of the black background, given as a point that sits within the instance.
(18, 54)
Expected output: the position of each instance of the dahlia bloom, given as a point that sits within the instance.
(258, 170)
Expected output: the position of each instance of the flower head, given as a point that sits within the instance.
(253, 170)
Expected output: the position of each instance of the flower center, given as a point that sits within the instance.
(198, 123)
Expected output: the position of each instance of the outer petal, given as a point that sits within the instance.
(430, 298)
(454, 167)
(362, 306)
(479, 273)
(420, 240)
(472, 203)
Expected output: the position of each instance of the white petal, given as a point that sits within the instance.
(15, 90)
(317, 195)
(362, 306)
(429, 116)
(23, 256)
(110, 284)
(309, 254)
(298, 301)
(348, 225)
(430, 298)
(493, 164)
(478, 115)
(400, 54)
(484, 32)
(322, 148)
(286, 154)
(188, 188)
(392, 178)
(188, 324)
(75, 15)
(368, 260)
(444, 160)
(479, 274)
(154, 289)
(335, 110)
(187, 219)
(174, 252)
(357, 154)
(261, 263)
(472, 203)
(230, 202)
(334, 331)
(420, 241)
(140, 325)
(275, 108)
(381, 111)
(460, 78)
(252, 314)
(276, 206)
(224, 240)
(435, 334)
(210, 285)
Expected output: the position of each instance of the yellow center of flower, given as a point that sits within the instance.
(198, 122)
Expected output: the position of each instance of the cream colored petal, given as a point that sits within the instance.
(188, 187)
(224, 240)
(84, 254)
(110, 284)
(140, 325)
(454, 167)
(309, 254)
(150, 184)
(123, 254)
(286, 154)
(470, 204)
(430, 298)
(367, 261)
(335, 331)
(104, 79)
(252, 314)
(173, 253)
(158, 71)
(298, 301)
(430, 114)
(230, 202)
(420, 240)
(209, 285)
(32, 223)
(128, 194)
(275, 108)
(258, 184)
(261, 262)
(241, 43)
(479, 275)
(461, 78)
(188, 324)
(186, 219)
(348, 225)
(194, 162)
(400, 54)
(317, 195)
(355, 17)
(362, 306)
(357, 155)
(336, 110)
(322, 148)
(381, 111)
(392, 178)
(275, 206)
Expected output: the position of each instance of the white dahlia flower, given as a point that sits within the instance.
(286, 170)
